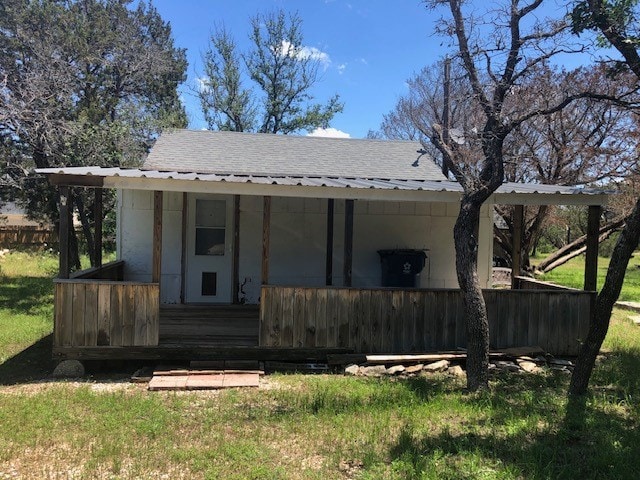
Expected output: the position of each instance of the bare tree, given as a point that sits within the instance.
(585, 142)
(499, 50)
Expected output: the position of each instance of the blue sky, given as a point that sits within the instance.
(370, 47)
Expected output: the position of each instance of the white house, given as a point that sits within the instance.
(300, 226)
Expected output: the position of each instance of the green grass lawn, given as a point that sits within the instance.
(571, 274)
(305, 426)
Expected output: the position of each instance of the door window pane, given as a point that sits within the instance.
(210, 241)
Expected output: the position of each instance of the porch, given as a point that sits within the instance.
(99, 315)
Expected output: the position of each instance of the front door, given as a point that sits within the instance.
(209, 249)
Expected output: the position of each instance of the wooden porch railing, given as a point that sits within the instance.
(403, 321)
(109, 271)
(90, 312)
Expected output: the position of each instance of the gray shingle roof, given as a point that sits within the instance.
(191, 151)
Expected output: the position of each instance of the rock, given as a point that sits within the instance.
(561, 362)
(373, 371)
(508, 366)
(413, 368)
(69, 369)
(456, 371)
(439, 366)
(352, 369)
(395, 370)
(529, 367)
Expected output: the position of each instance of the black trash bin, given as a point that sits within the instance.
(401, 267)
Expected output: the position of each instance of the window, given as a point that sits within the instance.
(211, 220)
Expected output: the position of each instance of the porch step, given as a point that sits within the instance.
(181, 379)
(212, 325)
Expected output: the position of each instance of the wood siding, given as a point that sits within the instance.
(398, 321)
(104, 313)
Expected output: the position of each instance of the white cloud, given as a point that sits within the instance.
(202, 84)
(341, 68)
(313, 53)
(328, 132)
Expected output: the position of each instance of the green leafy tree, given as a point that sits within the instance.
(82, 82)
(282, 70)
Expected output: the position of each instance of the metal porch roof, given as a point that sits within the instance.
(510, 193)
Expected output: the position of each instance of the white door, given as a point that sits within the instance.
(209, 249)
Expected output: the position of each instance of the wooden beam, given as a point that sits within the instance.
(63, 236)
(183, 255)
(348, 242)
(591, 258)
(516, 250)
(76, 180)
(157, 237)
(235, 281)
(266, 238)
(97, 218)
(329, 261)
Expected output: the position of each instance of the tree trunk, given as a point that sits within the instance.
(74, 251)
(477, 326)
(86, 229)
(574, 248)
(601, 314)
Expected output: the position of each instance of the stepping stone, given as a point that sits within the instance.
(205, 382)
(168, 382)
(241, 380)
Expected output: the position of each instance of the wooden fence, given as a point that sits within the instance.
(403, 321)
(526, 283)
(26, 236)
(91, 313)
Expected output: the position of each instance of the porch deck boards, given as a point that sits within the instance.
(210, 325)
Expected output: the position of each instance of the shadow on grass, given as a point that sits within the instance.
(20, 295)
(31, 364)
(526, 429)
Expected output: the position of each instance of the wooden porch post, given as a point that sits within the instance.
(235, 281)
(591, 257)
(97, 234)
(63, 234)
(516, 248)
(329, 262)
(266, 234)
(157, 237)
(348, 242)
